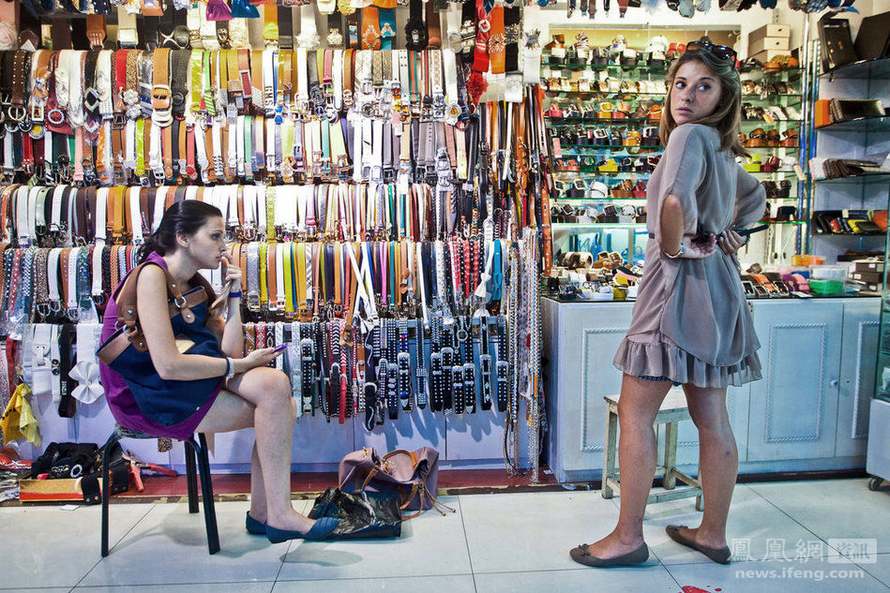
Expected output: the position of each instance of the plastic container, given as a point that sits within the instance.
(823, 287)
(830, 272)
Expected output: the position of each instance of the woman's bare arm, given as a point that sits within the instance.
(671, 224)
(151, 304)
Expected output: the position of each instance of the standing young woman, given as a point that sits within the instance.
(214, 387)
(691, 324)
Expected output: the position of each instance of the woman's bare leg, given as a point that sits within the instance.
(718, 462)
(269, 392)
(637, 407)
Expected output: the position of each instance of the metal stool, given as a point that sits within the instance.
(673, 409)
(191, 448)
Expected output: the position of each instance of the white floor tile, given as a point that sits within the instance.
(533, 531)
(451, 584)
(430, 545)
(787, 577)
(49, 547)
(754, 524)
(834, 508)
(651, 579)
(196, 588)
(170, 546)
(879, 569)
(39, 590)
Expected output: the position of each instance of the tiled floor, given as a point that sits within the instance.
(785, 539)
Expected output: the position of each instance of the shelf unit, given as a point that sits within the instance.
(861, 138)
(586, 158)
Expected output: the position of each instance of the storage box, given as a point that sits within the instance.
(867, 277)
(769, 31)
(868, 265)
(829, 272)
(769, 43)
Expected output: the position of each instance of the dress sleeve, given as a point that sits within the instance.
(684, 171)
(750, 199)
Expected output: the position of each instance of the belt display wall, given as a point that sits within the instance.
(386, 220)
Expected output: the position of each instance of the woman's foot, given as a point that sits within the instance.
(701, 539)
(290, 521)
(693, 538)
(612, 546)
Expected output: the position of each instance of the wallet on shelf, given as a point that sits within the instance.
(849, 222)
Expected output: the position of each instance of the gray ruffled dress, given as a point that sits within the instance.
(691, 322)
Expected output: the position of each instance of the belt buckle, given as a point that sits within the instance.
(253, 302)
(91, 99)
(37, 111)
(237, 96)
(161, 97)
(16, 112)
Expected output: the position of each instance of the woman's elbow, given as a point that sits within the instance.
(167, 369)
(671, 206)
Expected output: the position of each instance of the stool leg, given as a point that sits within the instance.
(670, 456)
(191, 476)
(610, 452)
(106, 490)
(207, 495)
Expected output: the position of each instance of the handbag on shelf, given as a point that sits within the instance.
(837, 40)
(847, 109)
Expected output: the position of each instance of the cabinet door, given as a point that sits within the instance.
(794, 408)
(589, 335)
(857, 386)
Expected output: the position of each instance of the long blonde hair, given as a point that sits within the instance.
(727, 116)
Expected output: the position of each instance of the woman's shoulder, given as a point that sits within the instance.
(691, 130)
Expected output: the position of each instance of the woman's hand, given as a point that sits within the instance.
(730, 242)
(258, 358)
(699, 248)
(233, 273)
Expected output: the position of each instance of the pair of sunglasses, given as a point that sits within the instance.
(721, 52)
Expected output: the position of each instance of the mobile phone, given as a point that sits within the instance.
(280, 347)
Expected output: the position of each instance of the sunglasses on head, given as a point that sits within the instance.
(721, 52)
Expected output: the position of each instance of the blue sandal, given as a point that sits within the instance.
(322, 530)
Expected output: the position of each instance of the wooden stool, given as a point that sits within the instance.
(673, 409)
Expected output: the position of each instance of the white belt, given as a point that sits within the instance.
(52, 275)
(22, 215)
(160, 203)
(136, 215)
(96, 290)
(72, 304)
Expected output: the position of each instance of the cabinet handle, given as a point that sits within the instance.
(833, 383)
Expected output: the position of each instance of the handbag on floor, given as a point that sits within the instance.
(412, 475)
(362, 515)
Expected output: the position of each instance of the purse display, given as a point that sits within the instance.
(837, 40)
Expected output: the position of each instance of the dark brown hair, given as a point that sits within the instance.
(182, 218)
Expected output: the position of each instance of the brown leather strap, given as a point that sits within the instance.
(433, 27)
(96, 30)
(61, 33)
